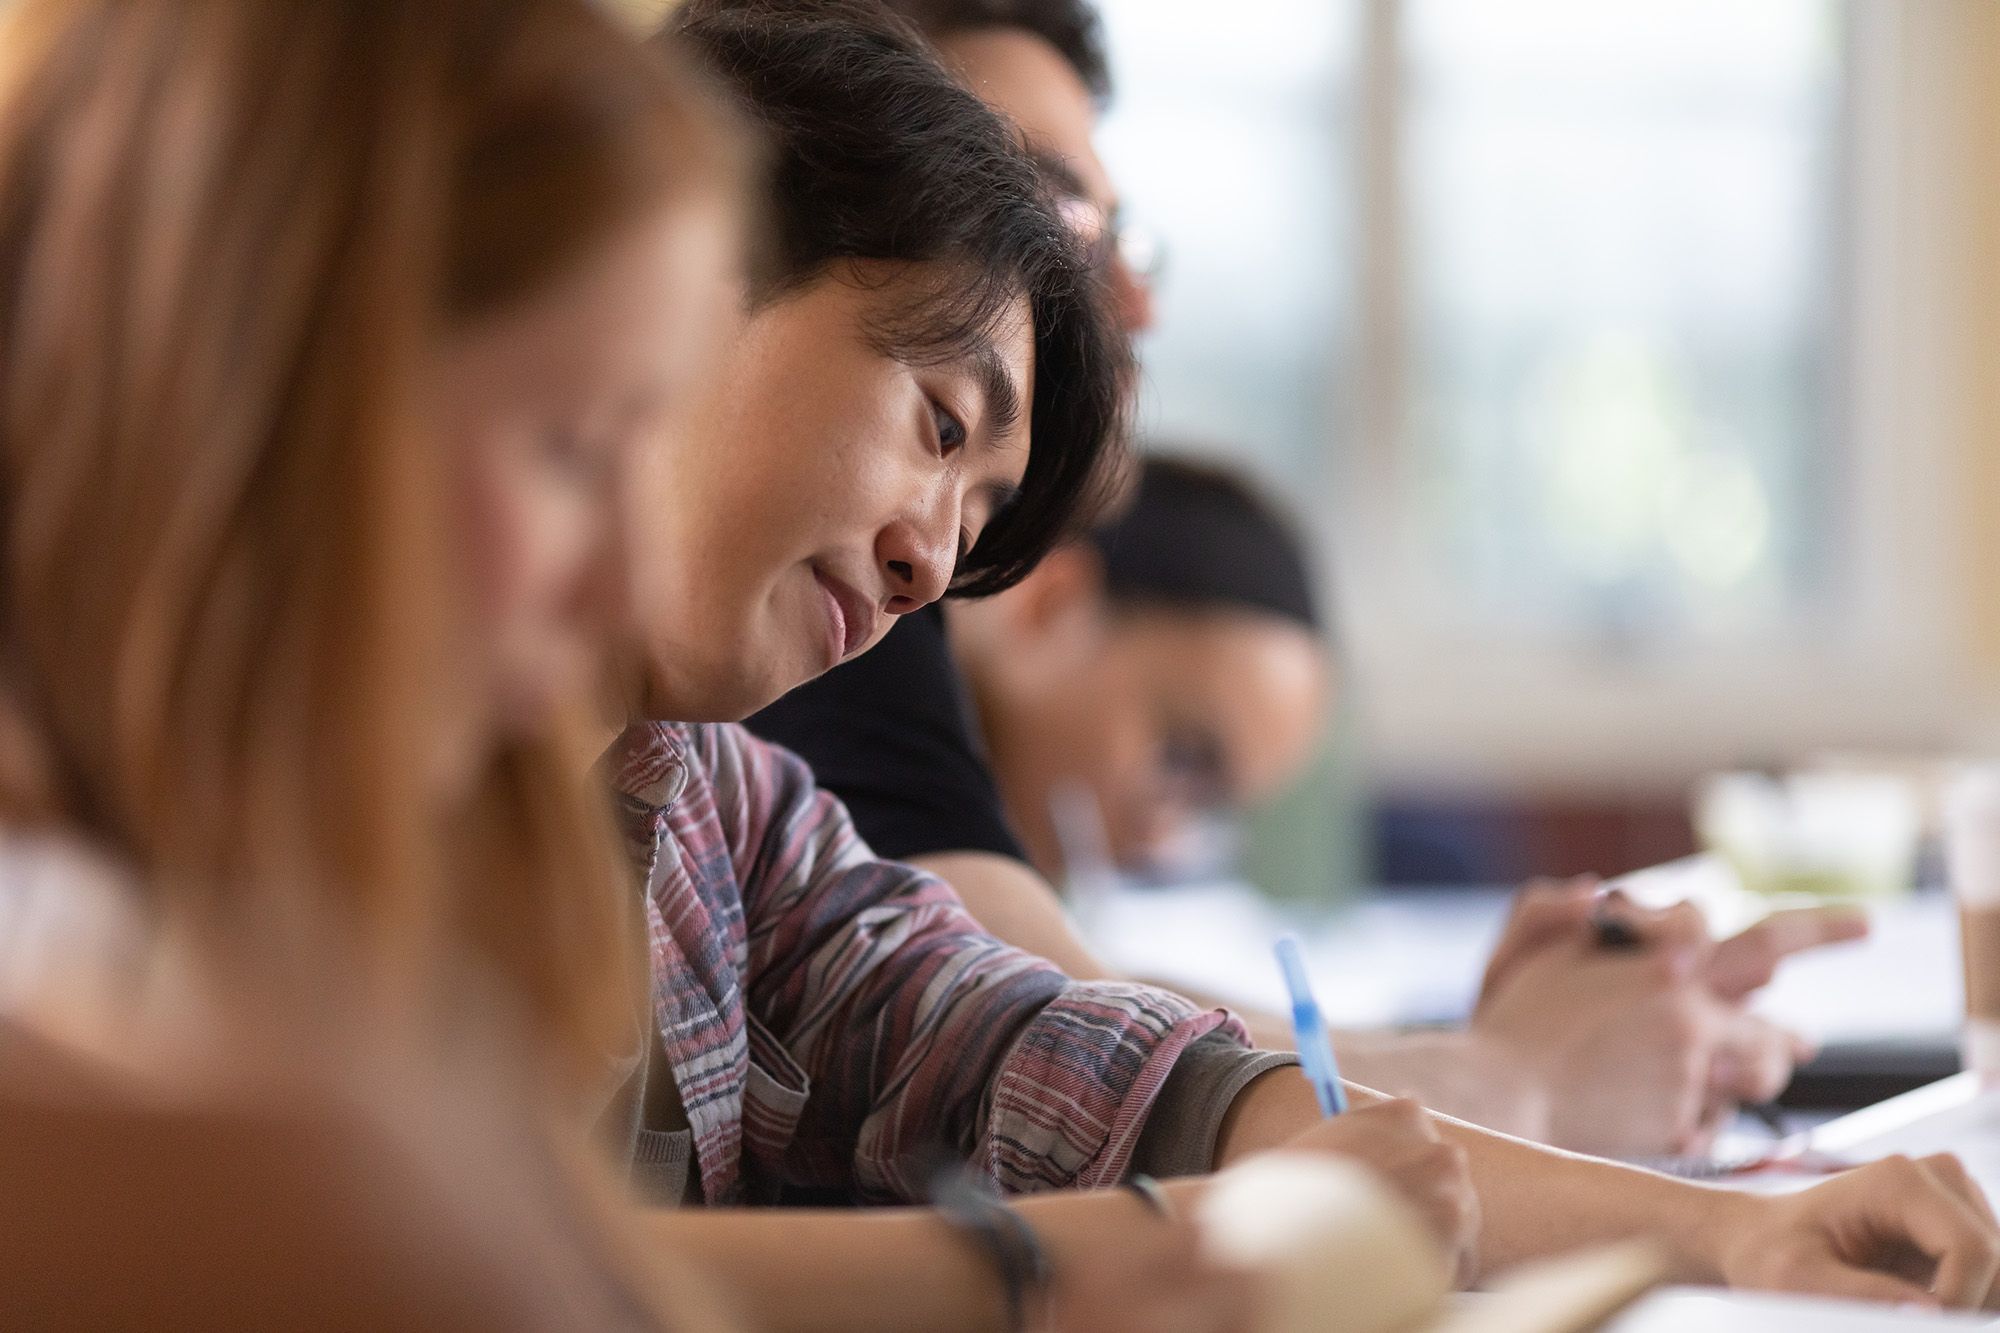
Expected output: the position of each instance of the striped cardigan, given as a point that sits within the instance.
(833, 1021)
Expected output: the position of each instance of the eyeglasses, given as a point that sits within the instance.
(1140, 252)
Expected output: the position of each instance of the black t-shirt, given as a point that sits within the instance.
(891, 733)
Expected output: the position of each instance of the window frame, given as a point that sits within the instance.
(1880, 667)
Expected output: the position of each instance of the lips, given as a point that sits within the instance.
(852, 616)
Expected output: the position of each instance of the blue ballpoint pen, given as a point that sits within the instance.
(1309, 1029)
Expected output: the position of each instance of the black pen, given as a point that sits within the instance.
(1613, 934)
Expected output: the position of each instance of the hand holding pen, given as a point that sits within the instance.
(1397, 1139)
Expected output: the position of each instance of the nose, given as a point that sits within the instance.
(917, 558)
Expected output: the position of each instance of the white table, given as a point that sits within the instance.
(1686, 1310)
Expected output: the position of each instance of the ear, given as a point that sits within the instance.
(1064, 591)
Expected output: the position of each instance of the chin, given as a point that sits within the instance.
(759, 695)
(723, 686)
(728, 698)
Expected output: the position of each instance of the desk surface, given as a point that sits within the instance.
(1416, 956)
(1684, 1310)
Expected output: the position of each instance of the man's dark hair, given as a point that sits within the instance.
(877, 153)
(1070, 26)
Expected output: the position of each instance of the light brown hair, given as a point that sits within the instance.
(232, 234)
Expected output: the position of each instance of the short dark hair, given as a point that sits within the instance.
(877, 153)
(1197, 537)
(1072, 27)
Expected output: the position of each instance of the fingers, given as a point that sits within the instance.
(1965, 1275)
(1465, 1236)
(1974, 1280)
(1678, 934)
(1950, 1173)
(1399, 1140)
(1438, 1182)
(1553, 903)
(1876, 1231)
(1754, 1059)
(1545, 912)
(1681, 1025)
(1400, 1115)
(1944, 1226)
(1747, 961)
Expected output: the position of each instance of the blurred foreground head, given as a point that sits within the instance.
(324, 329)
(324, 332)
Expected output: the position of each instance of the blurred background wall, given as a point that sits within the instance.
(1636, 366)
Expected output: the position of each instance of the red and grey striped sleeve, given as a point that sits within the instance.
(922, 1036)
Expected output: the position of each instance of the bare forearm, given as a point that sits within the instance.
(1535, 1201)
(1539, 1201)
(1454, 1073)
(839, 1269)
(809, 1269)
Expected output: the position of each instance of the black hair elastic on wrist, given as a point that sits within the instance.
(1199, 538)
(1000, 1234)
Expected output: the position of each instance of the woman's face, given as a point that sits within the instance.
(819, 488)
(544, 406)
(1159, 717)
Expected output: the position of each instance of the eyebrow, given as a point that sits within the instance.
(1000, 394)
(1002, 404)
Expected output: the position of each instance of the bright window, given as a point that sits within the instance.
(1623, 297)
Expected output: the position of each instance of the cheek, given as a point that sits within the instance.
(538, 554)
(1102, 731)
(493, 547)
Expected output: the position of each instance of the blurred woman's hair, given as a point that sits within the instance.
(877, 153)
(1194, 536)
(232, 238)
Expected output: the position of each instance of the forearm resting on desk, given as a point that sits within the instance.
(1447, 1071)
(1532, 1201)
(1899, 1230)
